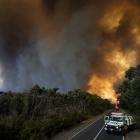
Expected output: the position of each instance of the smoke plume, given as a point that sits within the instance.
(68, 44)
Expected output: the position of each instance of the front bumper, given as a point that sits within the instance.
(112, 129)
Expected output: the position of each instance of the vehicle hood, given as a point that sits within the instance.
(114, 123)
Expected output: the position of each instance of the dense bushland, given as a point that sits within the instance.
(38, 114)
(130, 92)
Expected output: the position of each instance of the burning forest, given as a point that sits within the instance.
(69, 44)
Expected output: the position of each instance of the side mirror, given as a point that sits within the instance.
(125, 122)
(106, 119)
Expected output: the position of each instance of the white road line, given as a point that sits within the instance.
(99, 133)
(85, 128)
(123, 138)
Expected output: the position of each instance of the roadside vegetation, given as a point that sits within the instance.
(38, 114)
(130, 92)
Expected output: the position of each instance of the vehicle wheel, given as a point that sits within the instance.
(122, 133)
(124, 130)
(132, 127)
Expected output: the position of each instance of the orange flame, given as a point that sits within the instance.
(120, 60)
(104, 86)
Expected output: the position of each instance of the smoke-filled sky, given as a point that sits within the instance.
(68, 44)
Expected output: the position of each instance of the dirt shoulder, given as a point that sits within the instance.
(66, 134)
(134, 135)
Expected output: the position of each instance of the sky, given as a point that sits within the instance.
(68, 44)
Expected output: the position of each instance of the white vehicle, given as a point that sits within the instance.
(118, 122)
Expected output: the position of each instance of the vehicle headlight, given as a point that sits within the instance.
(117, 127)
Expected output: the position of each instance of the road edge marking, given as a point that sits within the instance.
(85, 128)
(99, 133)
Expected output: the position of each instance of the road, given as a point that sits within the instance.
(95, 131)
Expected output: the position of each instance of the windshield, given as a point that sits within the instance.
(118, 119)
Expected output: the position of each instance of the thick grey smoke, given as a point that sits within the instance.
(60, 43)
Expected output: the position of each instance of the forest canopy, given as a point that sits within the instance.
(40, 113)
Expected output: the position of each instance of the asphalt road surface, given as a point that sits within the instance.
(95, 131)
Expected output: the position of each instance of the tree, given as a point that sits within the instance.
(130, 91)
